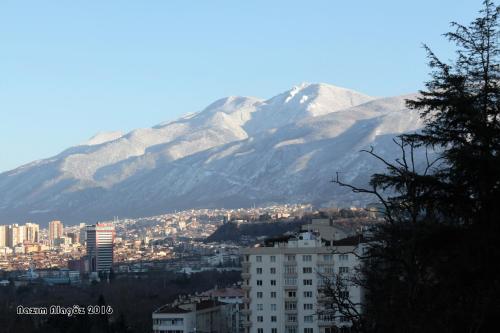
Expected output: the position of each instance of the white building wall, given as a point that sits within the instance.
(311, 258)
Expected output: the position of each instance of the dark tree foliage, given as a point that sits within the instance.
(462, 112)
(432, 267)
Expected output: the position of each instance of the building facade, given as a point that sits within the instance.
(55, 230)
(3, 235)
(32, 232)
(283, 279)
(100, 239)
(191, 316)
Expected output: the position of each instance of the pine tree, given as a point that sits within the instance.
(432, 266)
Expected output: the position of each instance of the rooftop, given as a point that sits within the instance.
(188, 307)
(224, 292)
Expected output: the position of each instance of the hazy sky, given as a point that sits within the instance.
(70, 69)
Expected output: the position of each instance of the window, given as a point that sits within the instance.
(307, 257)
(260, 319)
(259, 294)
(259, 270)
(260, 330)
(291, 294)
(290, 306)
(273, 319)
(343, 257)
(328, 330)
(308, 330)
(308, 282)
(327, 269)
(291, 318)
(273, 307)
(343, 270)
(308, 319)
(274, 330)
(258, 258)
(307, 270)
(308, 306)
(289, 269)
(326, 317)
(273, 282)
(260, 307)
(259, 282)
(290, 257)
(344, 294)
(273, 294)
(290, 281)
(273, 258)
(273, 270)
(308, 294)
(290, 329)
(327, 257)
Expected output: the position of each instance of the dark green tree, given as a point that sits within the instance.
(432, 266)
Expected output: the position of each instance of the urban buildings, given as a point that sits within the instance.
(14, 235)
(283, 281)
(32, 232)
(55, 230)
(100, 239)
(3, 235)
(213, 311)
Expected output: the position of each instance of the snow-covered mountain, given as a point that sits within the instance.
(238, 151)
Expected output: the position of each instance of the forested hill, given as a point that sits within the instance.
(234, 232)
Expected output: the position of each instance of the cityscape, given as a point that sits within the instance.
(177, 242)
(262, 199)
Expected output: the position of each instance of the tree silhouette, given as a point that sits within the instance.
(430, 268)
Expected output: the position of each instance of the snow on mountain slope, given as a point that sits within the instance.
(303, 101)
(236, 152)
(103, 137)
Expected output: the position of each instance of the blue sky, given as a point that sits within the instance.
(70, 69)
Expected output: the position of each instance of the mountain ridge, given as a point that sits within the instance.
(237, 151)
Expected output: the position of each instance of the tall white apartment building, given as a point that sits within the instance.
(282, 279)
(15, 235)
(32, 232)
(55, 230)
(4, 239)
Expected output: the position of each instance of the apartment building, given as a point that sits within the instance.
(283, 280)
(191, 316)
(55, 230)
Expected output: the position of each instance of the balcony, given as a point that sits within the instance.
(246, 323)
(291, 311)
(326, 322)
(245, 264)
(247, 299)
(246, 287)
(245, 275)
